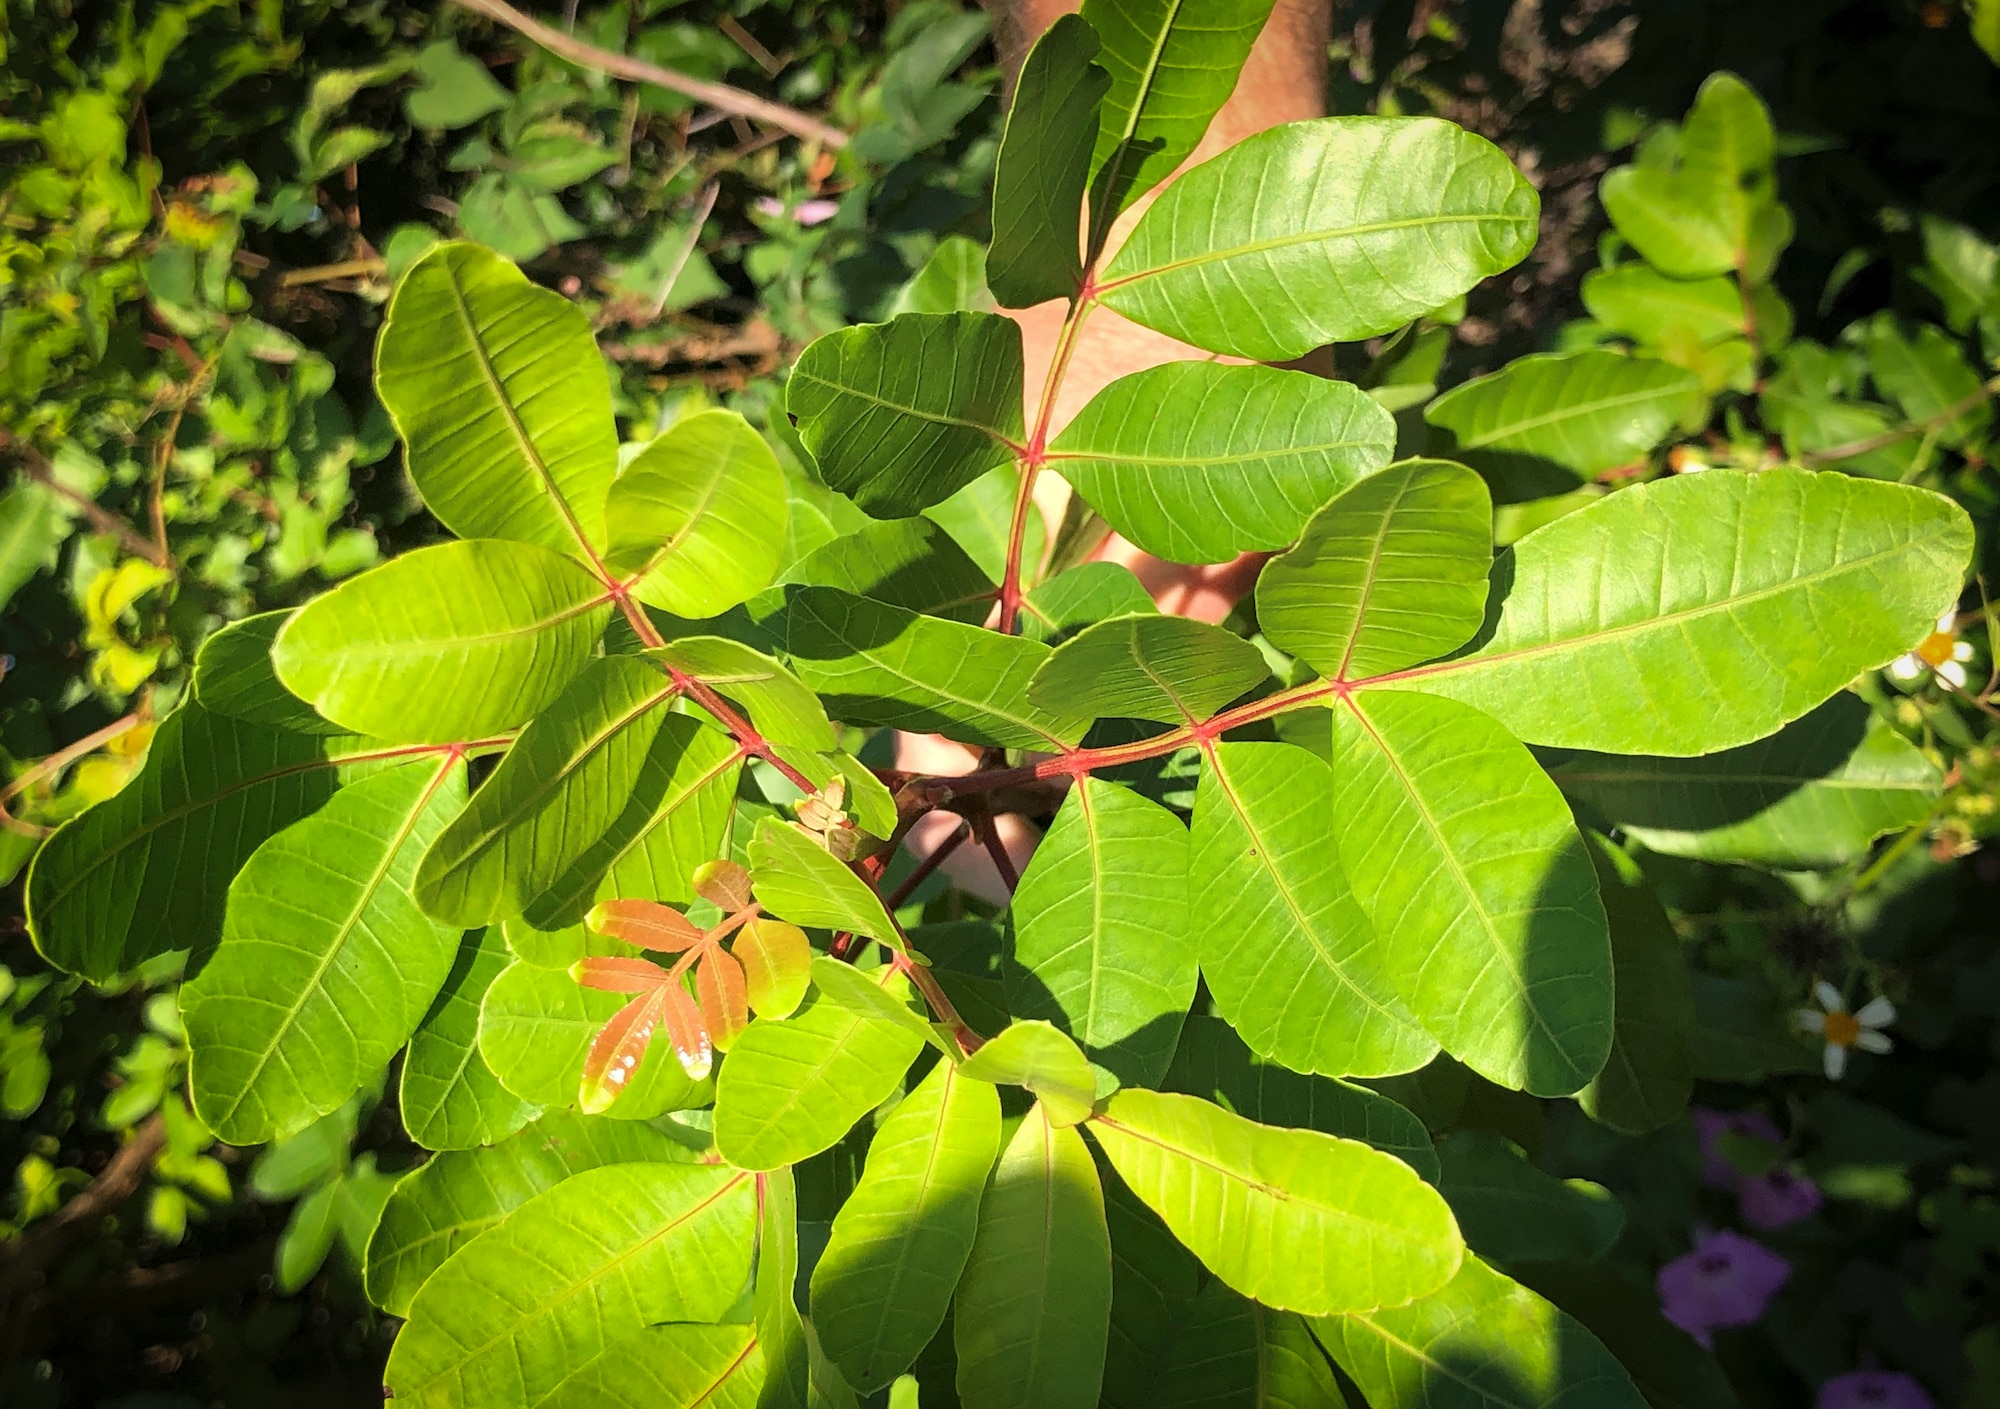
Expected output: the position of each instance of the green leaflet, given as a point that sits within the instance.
(1289, 955)
(147, 870)
(790, 1089)
(326, 965)
(1679, 314)
(1689, 614)
(1927, 375)
(1036, 1055)
(449, 1098)
(953, 280)
(676, 1366)
(698, 516)
(1030, 1319)
(447, 643)
(1103, 940)
(782, 1336)
(872, 663)
(497, 389)
(910, 563)
(674, 818)
(1044, 163)
(1295, 1219)
(1086, 593)
(1172, 64)
(1197, 462)
(1513, 1212)
(1541, 424)
(1148, 666)
(799, 880)
(521, 1308)
(1466, 857)
(1815, 794)
(1715, 210)
(1383, 218)
(901, 415)
(1213, 1063)
(1648, 1077)
(535, 1028)
(1234, 1354)
(439, 1208)
(1483, 1342)
(899, 1243)
(566, 781)
(782, 709)
(1153, 1279)
(1391, 573)
(234, 675)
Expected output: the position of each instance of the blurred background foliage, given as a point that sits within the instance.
(203, 206)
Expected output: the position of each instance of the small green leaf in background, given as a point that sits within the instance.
(1392, 572)
(1148, 666)
(450, 643)
(792, 1088)
(1543, 424)
(1103, 938)
(607, 1252)
(899, 1243)
(1044, 163)
(452, 90)
(1038, 1056)
(901, 415)
(1288, 952)
(698, 516)
(1030, 1318)
(449, 1098)
(1483, 1342)
(1417, 212)
(326, 965)
(1197, 462)
(952, 280)
(498, 391)
(1295, 1219)
(1511, 1211)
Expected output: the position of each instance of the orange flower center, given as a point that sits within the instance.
(1937, 648)
(1841, 1029)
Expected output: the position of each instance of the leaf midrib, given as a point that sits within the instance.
(1224, 461)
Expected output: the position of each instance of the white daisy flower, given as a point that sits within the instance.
(1843, 1029)
(1941, 653)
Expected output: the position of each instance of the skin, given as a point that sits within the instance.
(1284, 80)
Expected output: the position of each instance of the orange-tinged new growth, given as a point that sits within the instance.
(615, 1052)
(720, 985)
(687, 1032)
(777, 966)
(645, 923)
(618, 975)
(723, 884)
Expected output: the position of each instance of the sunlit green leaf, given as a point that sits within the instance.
(535, 1028)
(1037, 1055)
(909, 563)
(899, 1243)
(452, 642)
(234, 675)
(676, 1366)
(782, 709)
(799, 880)
(449, 1097)
(1148, 666)
(1197, 462)
(1295, 1219)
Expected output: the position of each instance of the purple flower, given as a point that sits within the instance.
(1726, 1281)
(1873, 1389)
(1777, 1197)
(1709, 1128)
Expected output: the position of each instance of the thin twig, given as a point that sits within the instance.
(38, 469)
(701, 214)
(1901, 433)
(323, 273)
(58, 761)
(718, 95)
(928, 865)
(26, 1259)
(989, 837)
